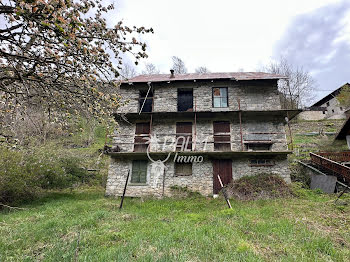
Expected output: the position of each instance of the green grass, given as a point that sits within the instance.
(307, 228)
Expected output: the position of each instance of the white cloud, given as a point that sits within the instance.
(222, 35)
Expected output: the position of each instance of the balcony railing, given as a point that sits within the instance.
(341, 171)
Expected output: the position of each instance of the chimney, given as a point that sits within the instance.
(172, 74)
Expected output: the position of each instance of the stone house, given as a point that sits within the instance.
(185, 130)
(326, 108)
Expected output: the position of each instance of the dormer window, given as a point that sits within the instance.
(220, 97)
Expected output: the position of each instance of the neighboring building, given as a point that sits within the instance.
(313, 113)
(232, 125)
(344, 132)
(328, 106)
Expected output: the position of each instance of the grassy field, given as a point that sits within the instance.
(85, 226)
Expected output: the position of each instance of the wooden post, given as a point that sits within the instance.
(224, 193)
(126, 183)
(163, 186)
(290, 132)
(240, 123)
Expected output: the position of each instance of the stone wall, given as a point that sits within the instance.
(200, 181)
(311, 115)
(252, 96)
(242, 168)
(166, 129)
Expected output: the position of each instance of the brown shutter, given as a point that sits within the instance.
(141, 136)
(184, 129)
(222, 136)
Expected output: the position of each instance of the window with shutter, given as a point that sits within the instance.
(139, 172)
(222, 136)
(184, 136)
(141, 137)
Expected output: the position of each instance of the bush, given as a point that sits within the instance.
(261, 186)
(24, 175)
(299, 175)
(16, 184)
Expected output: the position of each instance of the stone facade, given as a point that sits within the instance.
(333, 109)
(253, 112)
(250, 96)
(200, 181)
(165, 129)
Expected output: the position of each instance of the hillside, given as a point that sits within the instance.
(314, 136)
(83, 225)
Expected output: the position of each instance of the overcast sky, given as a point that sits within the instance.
(226, 35)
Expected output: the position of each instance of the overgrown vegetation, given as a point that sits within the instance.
(34, 166)
(261, 186)
(86, 226)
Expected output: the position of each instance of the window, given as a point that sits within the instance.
(184, 100)
(141, 137)
(261, 162)
(327, 104)
(183, 169)
(258, 146)
(222, 136)
(341, 108)
(184, 136)
(324, 112)
(146, 101)
(220, 97)
(332, 110)
(139, 172)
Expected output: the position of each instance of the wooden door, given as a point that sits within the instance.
(222, 167)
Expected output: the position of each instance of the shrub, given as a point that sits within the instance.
(298, 174)
(261, 186)
(24, 175)
(16, 184)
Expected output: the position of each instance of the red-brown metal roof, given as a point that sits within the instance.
(205, 76)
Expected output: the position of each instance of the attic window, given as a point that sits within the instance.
(220, 98)
(184, 100)
(327, 104)
(146, 101)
